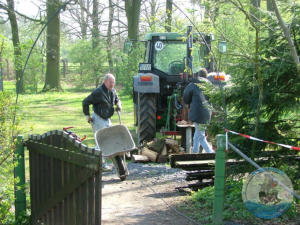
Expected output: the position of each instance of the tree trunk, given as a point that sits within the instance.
(132, 8)
(83, 22)
(109, 38)
(152, 19)
(257, 76)
(168, 25)
(95, 40)
(52, 81)
(95, 29)
(17, 48)
(270, 9)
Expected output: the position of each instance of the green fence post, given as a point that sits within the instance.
(19, 173)
(219, 180)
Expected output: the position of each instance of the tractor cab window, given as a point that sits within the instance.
(170, 57)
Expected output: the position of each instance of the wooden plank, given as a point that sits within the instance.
(187, 157)
(98, 191)
(69, 188)
(77, 158)
(48, 217)
(78, 200)
(200, 185)
(199, 175)
(195, 162)
(66, 200)
(84, 203)
(139, 158)
(62, 204)
(91, 200)
(47, 178)
(52, 188)
(72, 197)
(59, 185)
(32, 184)
(38, 181)
(56, 188)
(43, 177)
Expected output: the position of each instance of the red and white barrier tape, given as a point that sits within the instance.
(257, 139)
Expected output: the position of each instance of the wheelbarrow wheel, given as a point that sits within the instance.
(121, 167)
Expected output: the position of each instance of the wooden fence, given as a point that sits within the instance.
(65, 180)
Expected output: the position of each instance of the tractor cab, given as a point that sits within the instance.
(170, 61)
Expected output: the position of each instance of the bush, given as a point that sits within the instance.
(7, 130)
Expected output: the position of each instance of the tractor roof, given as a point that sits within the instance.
(168, 36)
(164, 36)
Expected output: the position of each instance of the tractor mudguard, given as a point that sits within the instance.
(146, 83)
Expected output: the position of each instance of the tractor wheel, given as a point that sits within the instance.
(146, 117)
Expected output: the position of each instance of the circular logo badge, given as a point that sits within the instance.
(159, 46)
(267, 193)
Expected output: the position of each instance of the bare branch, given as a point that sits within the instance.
(287, 35)
(2, 6)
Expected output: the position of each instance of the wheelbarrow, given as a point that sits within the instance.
(114, 142)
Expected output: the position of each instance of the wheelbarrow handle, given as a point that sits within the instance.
(118, 111)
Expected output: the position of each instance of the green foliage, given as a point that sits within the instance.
(127, 66)
(281, 86)
(87, 59)
(7, 129)
(201, 203)
(34, 73)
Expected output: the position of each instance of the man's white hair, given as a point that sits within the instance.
(109, 75)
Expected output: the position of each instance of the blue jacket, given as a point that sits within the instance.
(200, 111)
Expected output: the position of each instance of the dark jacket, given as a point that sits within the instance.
(102, 100)
(200, 111)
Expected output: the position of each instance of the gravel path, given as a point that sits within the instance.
(147, 197)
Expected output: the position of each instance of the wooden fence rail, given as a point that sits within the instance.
(65, 180)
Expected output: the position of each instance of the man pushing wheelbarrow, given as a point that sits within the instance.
(113, 141)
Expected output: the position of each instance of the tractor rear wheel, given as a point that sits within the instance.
(146, 117)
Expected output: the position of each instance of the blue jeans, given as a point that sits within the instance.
(200, 139)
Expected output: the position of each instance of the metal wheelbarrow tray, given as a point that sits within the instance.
(114, 140)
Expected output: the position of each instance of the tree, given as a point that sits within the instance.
(109, 37)
(16, 44)
(168, 26)
(132, 8)
(95, 39)
(84, 17)
(151, 17)
(52, 81)
(287, 34)
(80, 15)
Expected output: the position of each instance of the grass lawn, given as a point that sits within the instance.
(39, 113)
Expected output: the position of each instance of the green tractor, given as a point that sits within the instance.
(170, 61)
